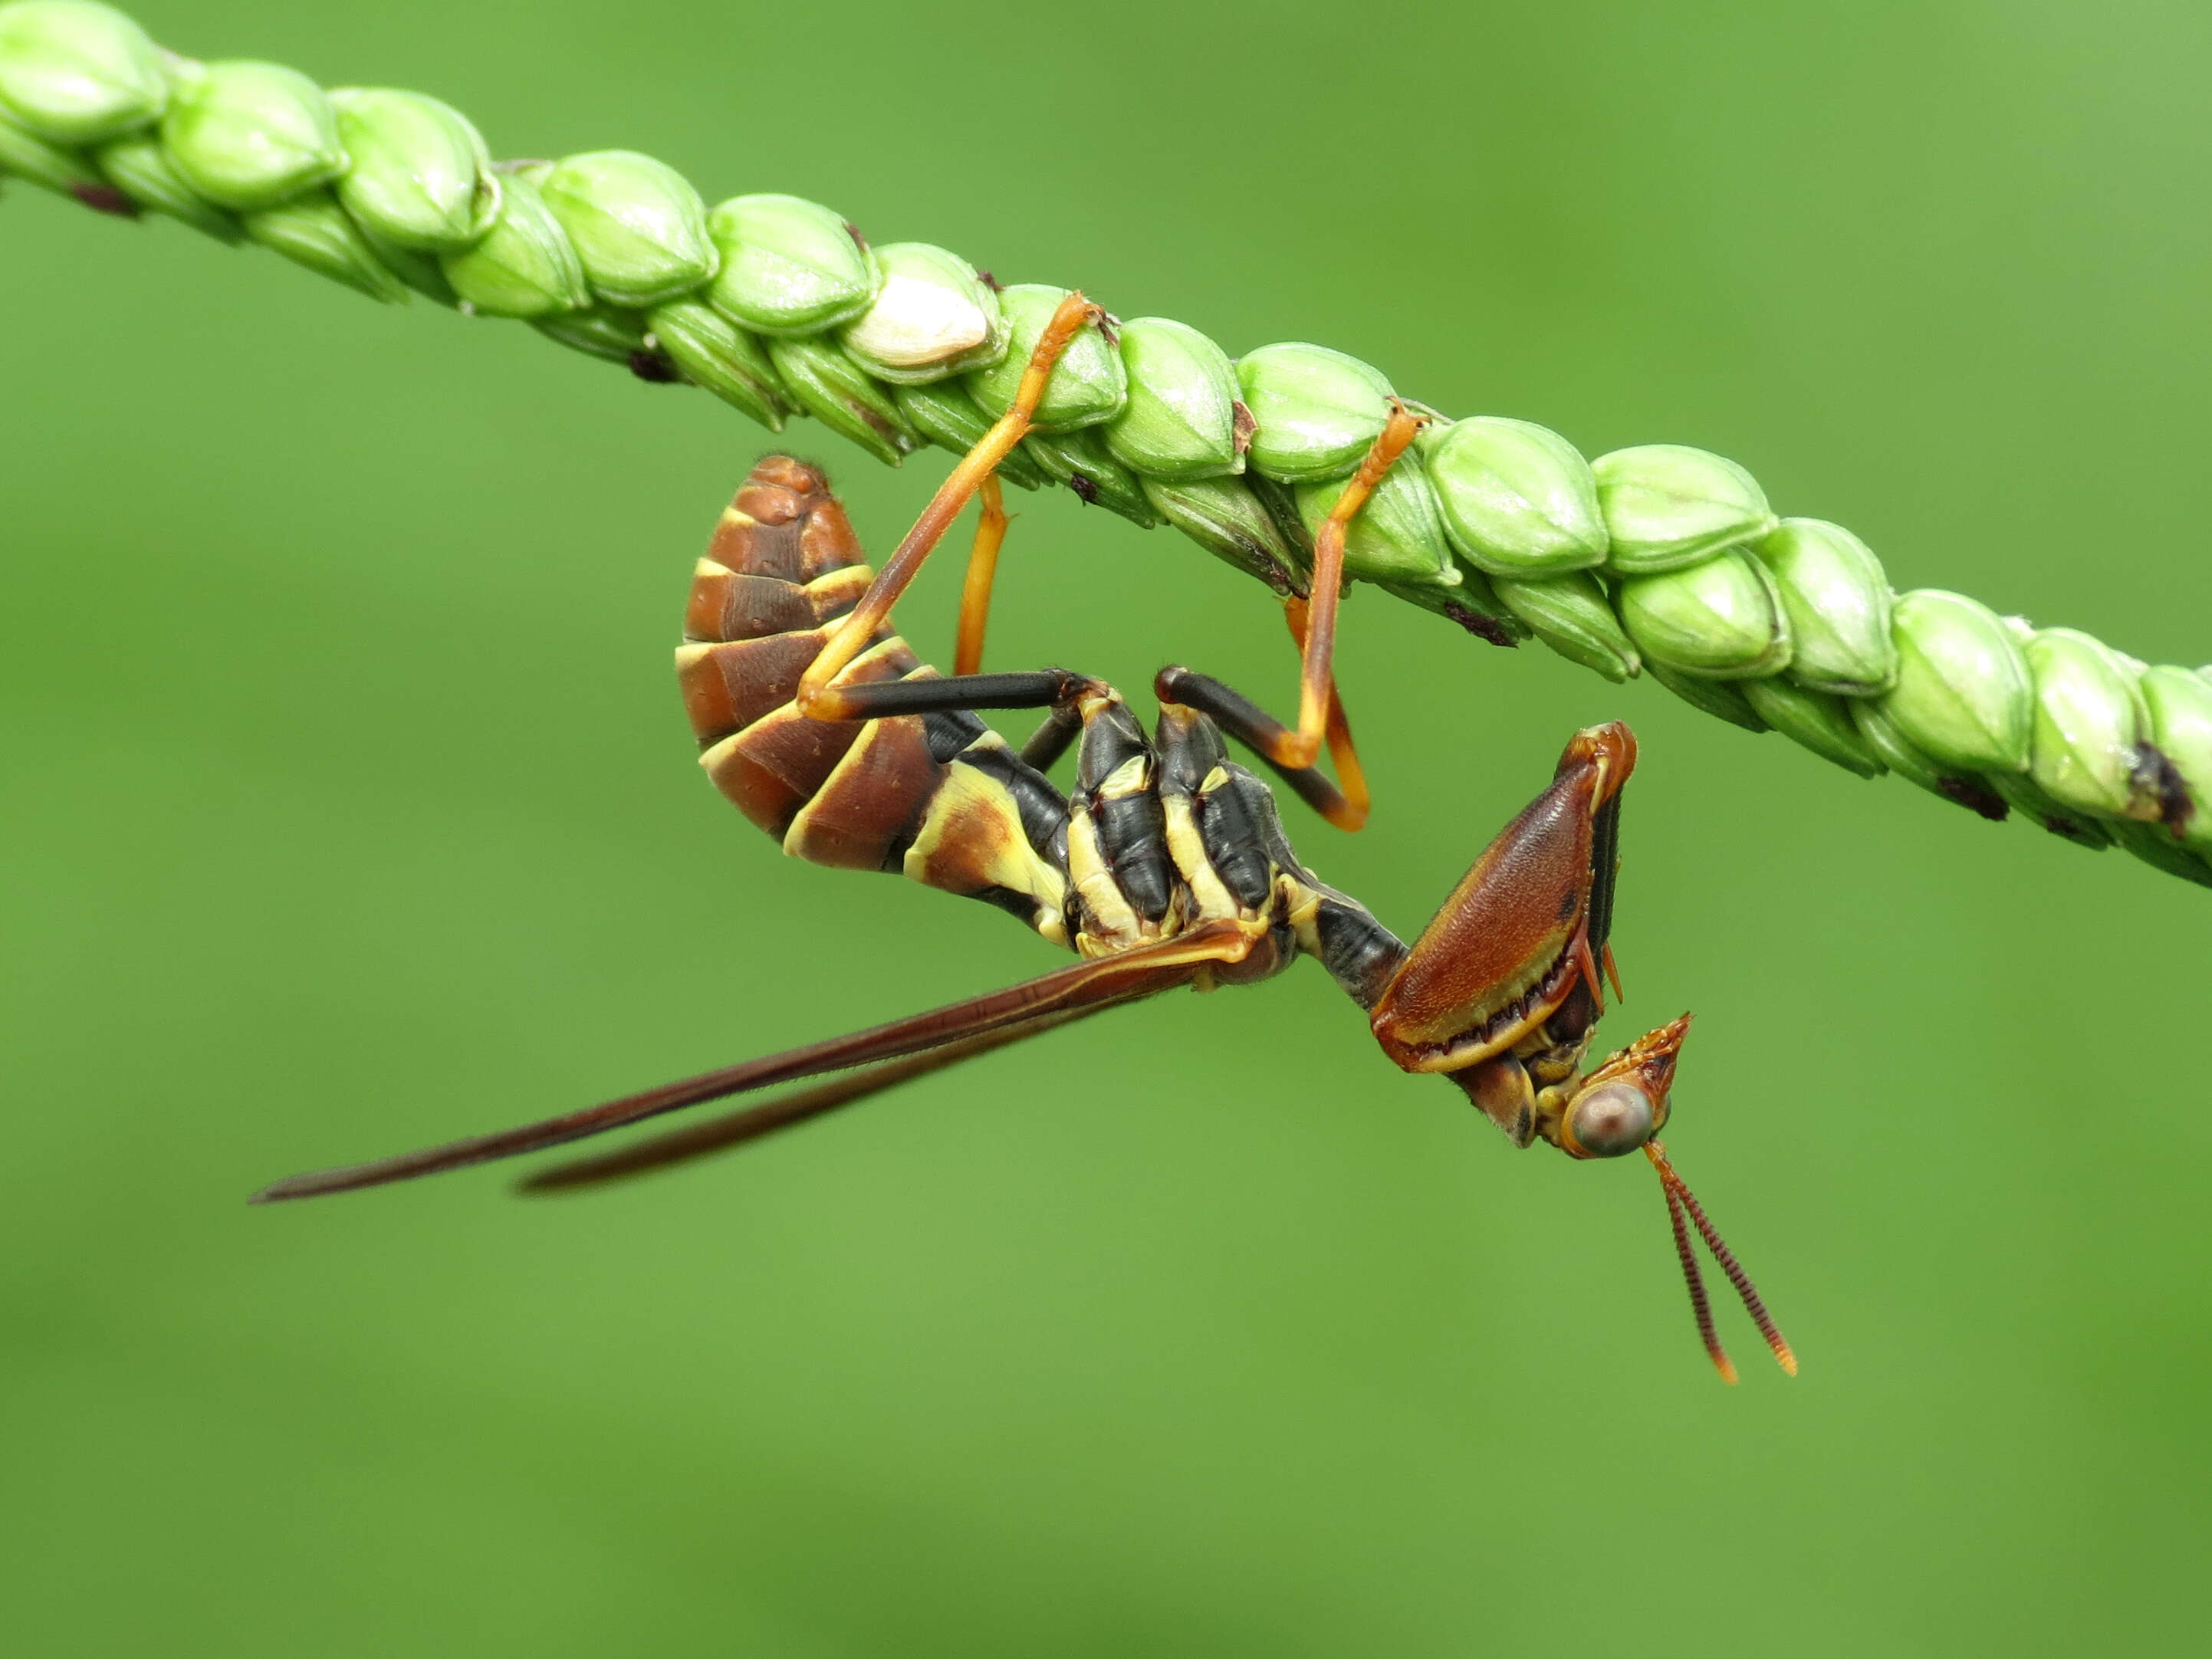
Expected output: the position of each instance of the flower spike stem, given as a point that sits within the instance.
(1659, 556)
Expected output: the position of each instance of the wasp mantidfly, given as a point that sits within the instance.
(1312, 617)
(1166, 866)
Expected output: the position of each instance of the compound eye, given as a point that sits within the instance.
(1612, 1119)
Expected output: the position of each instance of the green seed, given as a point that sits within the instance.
(2018, 791)
(418, 175)
(25, 154)
(1723, 699)
(525, 265)
(250, 136)
(1398, 536)
(313, 230)
(1963, 694)
(139, 168)
(1088, 385)
(417, 270)
(1518, 500)
(1720, 619)
(1820, 721)
(2087, 723)
(946, 416)
(74, 73)
(603, 331)
(2180, 708)
(1668, 505)
(1082, 462)
(1222, 516)
(638, 226)
(724, 359)
(1958, 786)
(933, 316)
(1180, 420)
(1471, 602)
(1571, 614)
(1838, 603)
(2152, 844)
(789, 266)
(1316, 411)
(840, 393)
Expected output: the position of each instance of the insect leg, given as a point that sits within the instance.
(1317, 653)
(817, 696)
(1038, 687)
(1051, 738)
(1292, 751)
(1054, 689)
(1262, 734)
(1343, 753)
(1084, 987)
(982, 571)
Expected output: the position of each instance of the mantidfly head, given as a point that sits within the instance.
(1621, 1105)
(1620, 1108)
(1504, 986)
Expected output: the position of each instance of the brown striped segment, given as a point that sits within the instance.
(827, 541)
(783, 565)
(728, 686)
(784, 523)
(743, 542)
(835, 592)
(726, 605)
(760, 530)
(772, 768)
(865, 814)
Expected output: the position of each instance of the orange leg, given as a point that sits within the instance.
(1351, 777)
(982, 570)
(1316, 681)
(817, 696)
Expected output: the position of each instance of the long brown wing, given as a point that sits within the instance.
(1141, 972)
(720, 1134)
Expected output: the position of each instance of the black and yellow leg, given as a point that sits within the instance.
(1063, 691)
(817, 696)
(1036, 688)
(1057, 689)
(1053, 739)
(1262, 734)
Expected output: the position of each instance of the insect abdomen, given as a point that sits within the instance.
(895, 793)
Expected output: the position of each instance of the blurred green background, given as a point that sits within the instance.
(349, 806)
